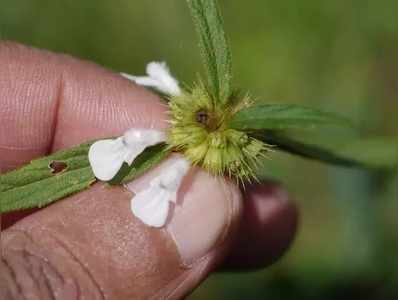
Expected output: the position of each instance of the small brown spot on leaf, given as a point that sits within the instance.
(57, 166)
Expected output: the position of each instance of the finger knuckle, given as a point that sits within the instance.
(36, 271)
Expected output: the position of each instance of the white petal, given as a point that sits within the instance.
(159, 77)
(157, 70)
(141, 80)
(106, 158)
(160, 72)
(139, 139)
(134, 151)
(172, 177)
(173, 197)
(143, 136)
(151, 206)
(142, 182)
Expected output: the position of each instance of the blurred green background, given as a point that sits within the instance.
(336, 55)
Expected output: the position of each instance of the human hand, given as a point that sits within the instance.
(90, 246)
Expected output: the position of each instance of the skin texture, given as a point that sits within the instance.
(90, 246)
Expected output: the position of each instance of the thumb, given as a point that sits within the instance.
(91, 246)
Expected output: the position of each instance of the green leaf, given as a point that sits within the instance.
(284, 116)
(54, 177)
(46, 180)
(214, 47)
(372, 153)
(146, 160)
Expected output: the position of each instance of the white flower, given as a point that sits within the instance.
(152, 204)
(107, 156)
(159, 77)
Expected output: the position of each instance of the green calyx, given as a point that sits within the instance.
(200, 131)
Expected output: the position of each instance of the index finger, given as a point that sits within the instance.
(49, 102)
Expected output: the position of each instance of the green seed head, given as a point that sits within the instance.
(200, 132)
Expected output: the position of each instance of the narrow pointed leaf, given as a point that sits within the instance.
(46, 180)
(64, 173)
(213, 45)
(284, 116)
(372, 153)
(150, 157)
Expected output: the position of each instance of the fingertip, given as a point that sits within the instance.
(268, 227)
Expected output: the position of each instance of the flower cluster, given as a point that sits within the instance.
(198, 129)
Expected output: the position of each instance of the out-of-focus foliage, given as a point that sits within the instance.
(338, 55)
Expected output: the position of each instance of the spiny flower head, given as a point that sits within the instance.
(199, 130)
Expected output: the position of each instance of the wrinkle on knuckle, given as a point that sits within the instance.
(25, 276)
(45, 270)
(9, 288)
